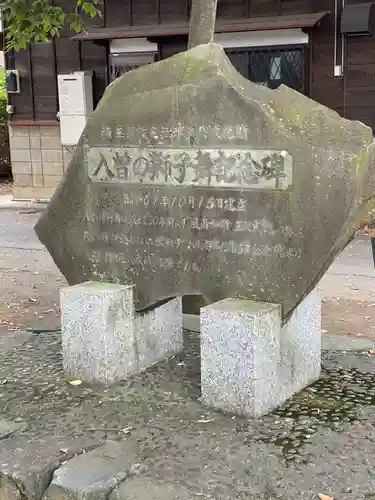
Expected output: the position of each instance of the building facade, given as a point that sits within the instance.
(322, 48)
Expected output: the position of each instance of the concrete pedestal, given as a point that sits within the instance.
(105, 340)
(251, 363)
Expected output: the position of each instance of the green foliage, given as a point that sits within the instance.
(40, 20)
(4, 135)
(3, 92)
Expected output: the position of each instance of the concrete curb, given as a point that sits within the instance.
(8, 203)
(191, 322)
(329, 342)
(345, 343)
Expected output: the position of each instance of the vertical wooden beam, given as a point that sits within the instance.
(55, 72)
(248, 8)
(131, 12)
(107, 64)
(31, 79)
(158, 11)
(307, 69)
(104, 13)
(80, 55)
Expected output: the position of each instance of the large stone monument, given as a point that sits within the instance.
(190, 179)
(203, 182)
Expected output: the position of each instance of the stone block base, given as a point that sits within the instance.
(105, 340)
(251, 363)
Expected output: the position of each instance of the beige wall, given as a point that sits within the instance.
(38, 160)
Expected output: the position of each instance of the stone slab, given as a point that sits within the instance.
(250, 363)
(105, 340)
(149, 488)
(192, 322)
(9, 427)
(27, 467)
(158, 333)
(332, 342)
(13, 340)
(93, 475)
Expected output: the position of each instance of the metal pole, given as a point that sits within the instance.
(373, 249)
(202, 22)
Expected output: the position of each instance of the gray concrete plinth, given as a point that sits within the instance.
(105, 340)
(251, 363)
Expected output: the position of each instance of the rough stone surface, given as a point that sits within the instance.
(26, 467)
(158, 333)
(202, 182)
(9, 427)
(301, 345)
(251, 363)
(151, 488)
(93, 475)
(13, 341)
(105, 340)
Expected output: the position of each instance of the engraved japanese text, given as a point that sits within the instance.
(227, 168)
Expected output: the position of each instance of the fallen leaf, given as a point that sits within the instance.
(75, 382)
(324, 497)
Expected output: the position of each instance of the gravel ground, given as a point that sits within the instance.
(320, 441)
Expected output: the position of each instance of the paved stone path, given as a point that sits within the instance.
(150, 438)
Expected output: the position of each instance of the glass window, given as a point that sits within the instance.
(270, 67)
(122, 63)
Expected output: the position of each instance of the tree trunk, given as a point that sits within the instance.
(202, 22)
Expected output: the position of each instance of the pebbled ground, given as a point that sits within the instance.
(322, 441)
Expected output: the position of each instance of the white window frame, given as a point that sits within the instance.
(271, 38)
(132, 46)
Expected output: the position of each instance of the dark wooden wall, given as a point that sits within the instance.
(352, 96)
(39, 66)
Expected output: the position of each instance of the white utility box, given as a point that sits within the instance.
(75, 104)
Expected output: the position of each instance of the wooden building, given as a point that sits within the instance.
(323, 48)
